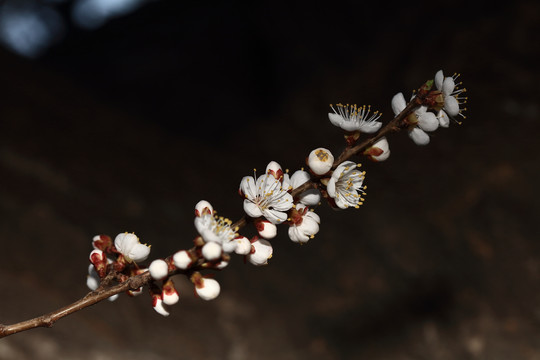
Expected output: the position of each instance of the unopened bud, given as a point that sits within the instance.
(158, 269)
(320, 161)
(182, 260)
(211, 251)
(203, 207)
(265, 228)
(380, 151)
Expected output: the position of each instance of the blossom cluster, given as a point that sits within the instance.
(276, 198)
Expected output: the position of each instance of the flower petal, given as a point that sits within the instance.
(419, 136)
(439, 78)
(335, 119)
(444, 120)
(274, 216)
(448, 86)
(370, 127)
(428, 122)
(252, 209)
(139, 252)
(451, 106)
(398, 103)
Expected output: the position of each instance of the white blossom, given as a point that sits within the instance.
(452, 98)
(129, 246)
(345, 185)
(353, 118)
(266, 197)
(419, 121)
(304, 224)
(320, 161)
(214, 228)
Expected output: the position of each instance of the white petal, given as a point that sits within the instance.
(419, 136)
(451, 106)
(331, 187)
(428, 122)
(124, 242)
(310, 197)
(274, 216)
(139, 252)
(248, 187)
(335, 119)
(448, 86)
(370, 127)
(297, 236)
(252, 209)
(285, 202)
(444, 120)
(313, 216)
(229, 246)
(113, 297)
(439, 78)
(398, 103)
(299, 177)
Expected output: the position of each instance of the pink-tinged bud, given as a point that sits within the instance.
(211, 251)
(203, 207)
(182, 259)
(380, 151)
(136, 292)
(243, 245)
(275, 170)
(102, 242)
(261, 251)
(205, 288)
(320, 161)
(157, 304)
(265, 228)
(99, 259)
(158, 269)
(169, 294)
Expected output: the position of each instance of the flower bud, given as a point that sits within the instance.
(320, 161)
(158, 269)
(380, 151)
(211, 251)
(243, 245)
(99, 259)
(182, 260)
(169, 294)
(102, 242)
(157, 304)
(203, 207)
(206, 289)
(274, 169)
(265, 228)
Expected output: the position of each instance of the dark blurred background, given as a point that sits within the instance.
(119, 115)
